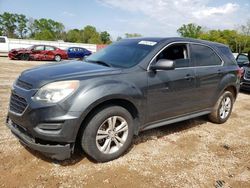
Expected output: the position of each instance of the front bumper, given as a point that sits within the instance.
(245, 84)
(48, 128)
(59, 152)
(12, 55)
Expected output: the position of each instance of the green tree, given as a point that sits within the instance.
(132, 35)
(73, 35)
(58, 29)
(21, 25)
(105, 37)
(232, 38)
(190, 30)
(44, 35)
(90, 35)
(245, 31)
(47, 29)
(8, 24)
(31, 28)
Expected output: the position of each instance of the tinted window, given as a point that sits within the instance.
(49, 48)
(227, 52)
(2, 40)
(122, 54)
(178, 53)
(204, 56)
(39, 48)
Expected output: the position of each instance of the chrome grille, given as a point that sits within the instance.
(23, 84)
(17, 103)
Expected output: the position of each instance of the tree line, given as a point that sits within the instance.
(238, 39)
(19, 26)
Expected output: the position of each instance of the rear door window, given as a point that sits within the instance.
(228, 53)
(49, 48)
(204, 56)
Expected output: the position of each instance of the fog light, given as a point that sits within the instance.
(50, 126)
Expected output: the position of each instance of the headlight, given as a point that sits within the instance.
(56, 91)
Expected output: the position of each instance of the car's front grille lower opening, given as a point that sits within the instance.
(17, 103)
(46, 142)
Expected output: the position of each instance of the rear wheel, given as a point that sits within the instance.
(58, 58)
(223, 108)
(108, 134)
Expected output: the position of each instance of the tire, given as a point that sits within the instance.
(223, 108)
(58, 58)
(25, 57)
(101, 132)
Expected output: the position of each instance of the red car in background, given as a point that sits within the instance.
(38, 52)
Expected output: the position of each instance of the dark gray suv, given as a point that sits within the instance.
(130, 86)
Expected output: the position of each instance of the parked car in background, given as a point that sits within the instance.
(38, 52)
(78, 52)
(7, 44)
(243, 61)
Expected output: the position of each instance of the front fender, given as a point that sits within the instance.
(88, 99)
(107, 90)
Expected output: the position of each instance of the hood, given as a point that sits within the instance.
(19, 49)
(41, 75)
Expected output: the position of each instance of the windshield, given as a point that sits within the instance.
(121, 54)
(31, 47)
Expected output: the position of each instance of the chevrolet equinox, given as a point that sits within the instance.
(129, 86)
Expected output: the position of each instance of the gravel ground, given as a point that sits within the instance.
(193, 153)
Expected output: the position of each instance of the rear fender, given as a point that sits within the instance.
(229, 80)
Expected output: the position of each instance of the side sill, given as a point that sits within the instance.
(174, 120)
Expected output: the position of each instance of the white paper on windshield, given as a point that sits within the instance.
(149, 43)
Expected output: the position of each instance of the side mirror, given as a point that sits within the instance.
(163, 64)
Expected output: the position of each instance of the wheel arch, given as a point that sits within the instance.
(232, 89)
(57, 54)
(125, 103)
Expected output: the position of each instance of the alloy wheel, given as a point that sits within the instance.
(225, 108)
(112, 134)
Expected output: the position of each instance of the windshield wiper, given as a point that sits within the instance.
(100, 63)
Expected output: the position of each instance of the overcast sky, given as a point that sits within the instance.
(147, 17)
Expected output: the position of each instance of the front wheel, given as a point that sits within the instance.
(108, 134)
(25, 57)
(223, 108)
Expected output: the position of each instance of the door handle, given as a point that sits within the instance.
(189, 77)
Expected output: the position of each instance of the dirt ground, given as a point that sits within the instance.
(193, 153)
